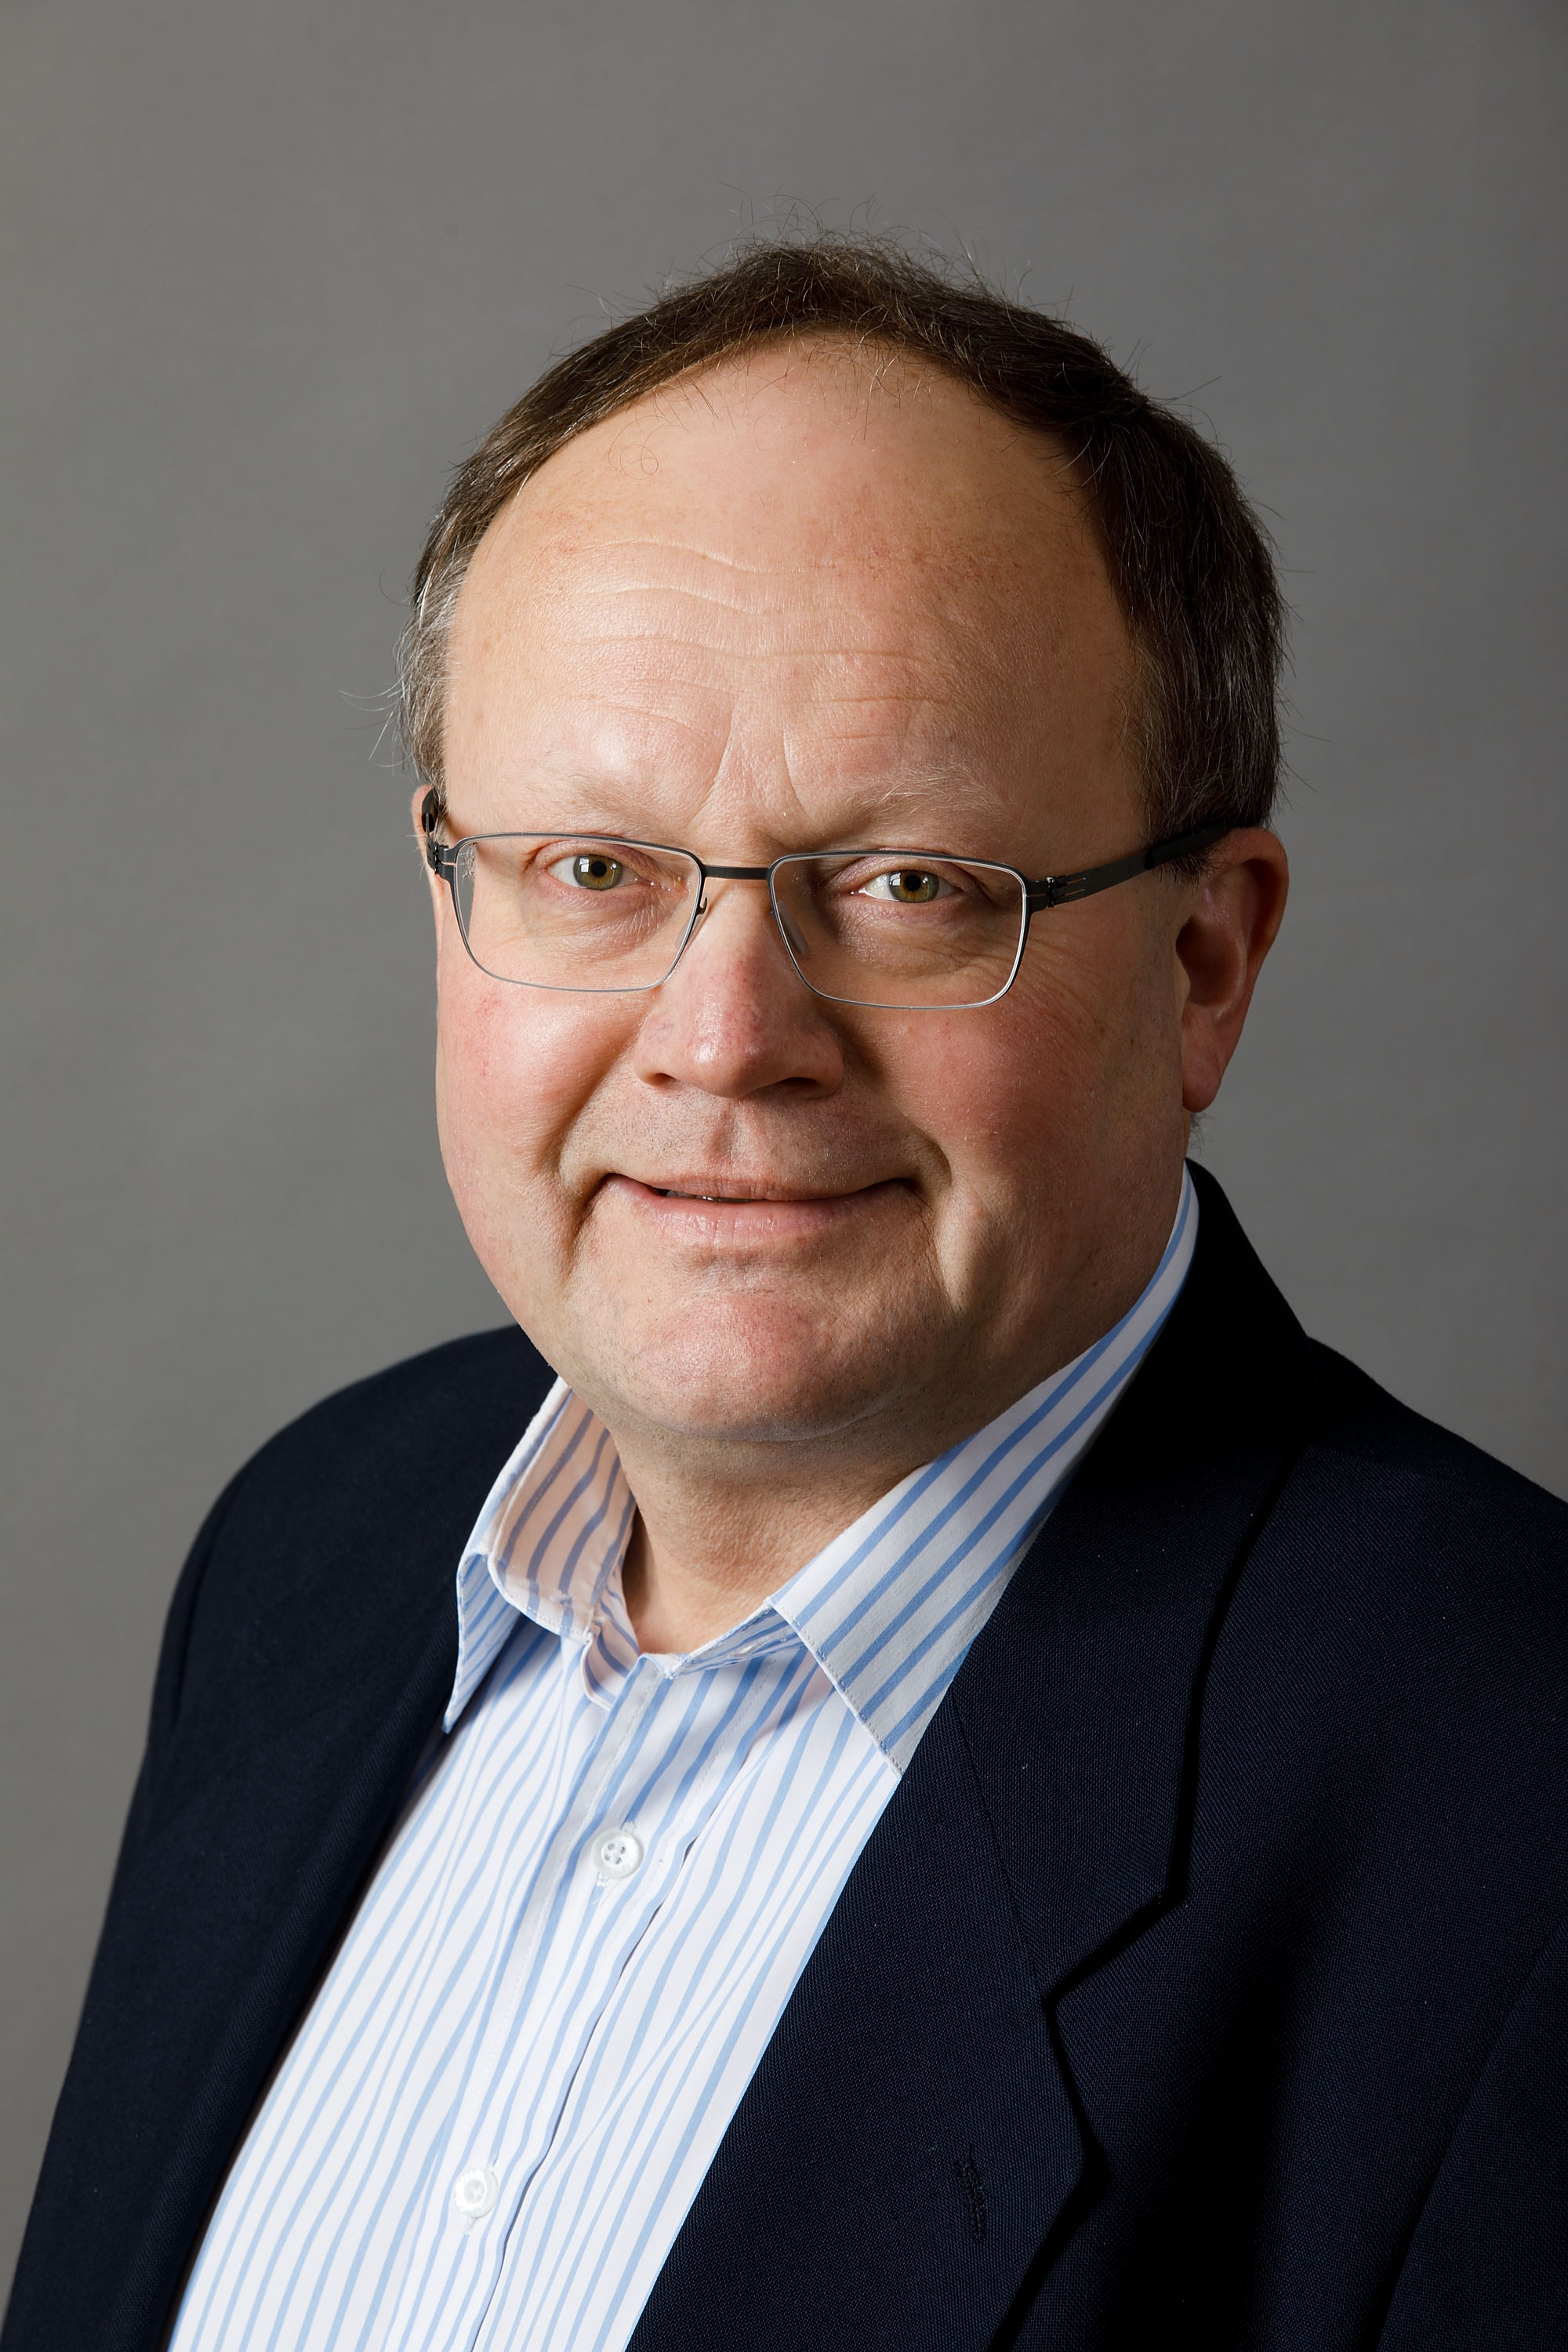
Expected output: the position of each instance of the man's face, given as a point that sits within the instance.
(787, 605)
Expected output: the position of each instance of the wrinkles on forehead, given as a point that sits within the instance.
(796, 579)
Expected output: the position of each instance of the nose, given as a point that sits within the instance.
(734, 1016)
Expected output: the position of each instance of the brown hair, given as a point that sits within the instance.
(1186, 555)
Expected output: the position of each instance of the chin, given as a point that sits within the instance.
(744, 1376)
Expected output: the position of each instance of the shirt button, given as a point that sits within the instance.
(616, 1853)
(474, 2192)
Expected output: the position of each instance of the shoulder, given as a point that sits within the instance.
(1375, 1514)
(436, 1420)
(1401, 1630)
(1394, 1537)
(344, 1531)
(1387, 1475)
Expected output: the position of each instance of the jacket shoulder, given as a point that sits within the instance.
(443, 1387)
(435, 1420)
(1364, 1432)
(349, 1521)
(1403, 1623)
(436, 1424)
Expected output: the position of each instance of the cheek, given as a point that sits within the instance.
(1035, 1095)
(514, 1067)
(1020, 1064)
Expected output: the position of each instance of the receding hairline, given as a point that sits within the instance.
(886, 369)
(1189, 564)
(949, 538)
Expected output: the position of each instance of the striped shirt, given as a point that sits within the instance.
(604, 1883)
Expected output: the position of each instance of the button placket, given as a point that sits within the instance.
(521, 2163)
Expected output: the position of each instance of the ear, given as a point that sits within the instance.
(1231, 922)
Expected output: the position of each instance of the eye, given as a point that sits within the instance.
(591, 869)
(906, 886)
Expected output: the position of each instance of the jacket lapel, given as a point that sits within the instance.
(256, 1873)
(314, 1649)
(1079, 1703)
(908, 2137)
(911, 2152)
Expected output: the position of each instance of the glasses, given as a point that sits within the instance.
(900, 930)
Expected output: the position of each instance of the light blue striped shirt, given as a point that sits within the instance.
(608, 1877)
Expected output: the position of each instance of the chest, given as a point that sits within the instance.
(558, 1983)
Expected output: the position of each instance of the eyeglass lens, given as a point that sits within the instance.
(895, 928)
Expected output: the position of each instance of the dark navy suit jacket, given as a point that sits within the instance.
(1205, 1983)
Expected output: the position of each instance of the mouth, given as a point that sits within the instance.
(739, 1200)
(741, 1192)
(729, 1207)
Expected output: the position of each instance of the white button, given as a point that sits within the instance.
(616, 1853)
(474, 2192)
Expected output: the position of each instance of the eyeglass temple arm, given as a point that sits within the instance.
(1061, 889)
(437, 854)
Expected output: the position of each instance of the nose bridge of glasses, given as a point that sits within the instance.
(707, 873)
(793, 938)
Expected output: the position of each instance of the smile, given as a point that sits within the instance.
(775, 1214)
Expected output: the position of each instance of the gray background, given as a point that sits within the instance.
(270, 271)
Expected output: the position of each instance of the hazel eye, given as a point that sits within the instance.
(592, 869)
(906, 886)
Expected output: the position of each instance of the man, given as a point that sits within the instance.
(977, 1787)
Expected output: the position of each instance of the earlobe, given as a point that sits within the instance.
(1231, 924)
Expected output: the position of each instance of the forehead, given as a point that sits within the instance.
(840, 569)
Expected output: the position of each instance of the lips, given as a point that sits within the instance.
(739, 1200)
(726, 1192)
(738, 1207)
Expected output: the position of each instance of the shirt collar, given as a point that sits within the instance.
(888, 1609)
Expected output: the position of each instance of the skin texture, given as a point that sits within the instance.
(814, 599)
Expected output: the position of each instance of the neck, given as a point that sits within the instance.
(721, 1525)
(704, 1553)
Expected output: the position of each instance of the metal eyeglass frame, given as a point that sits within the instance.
(1051, 890)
